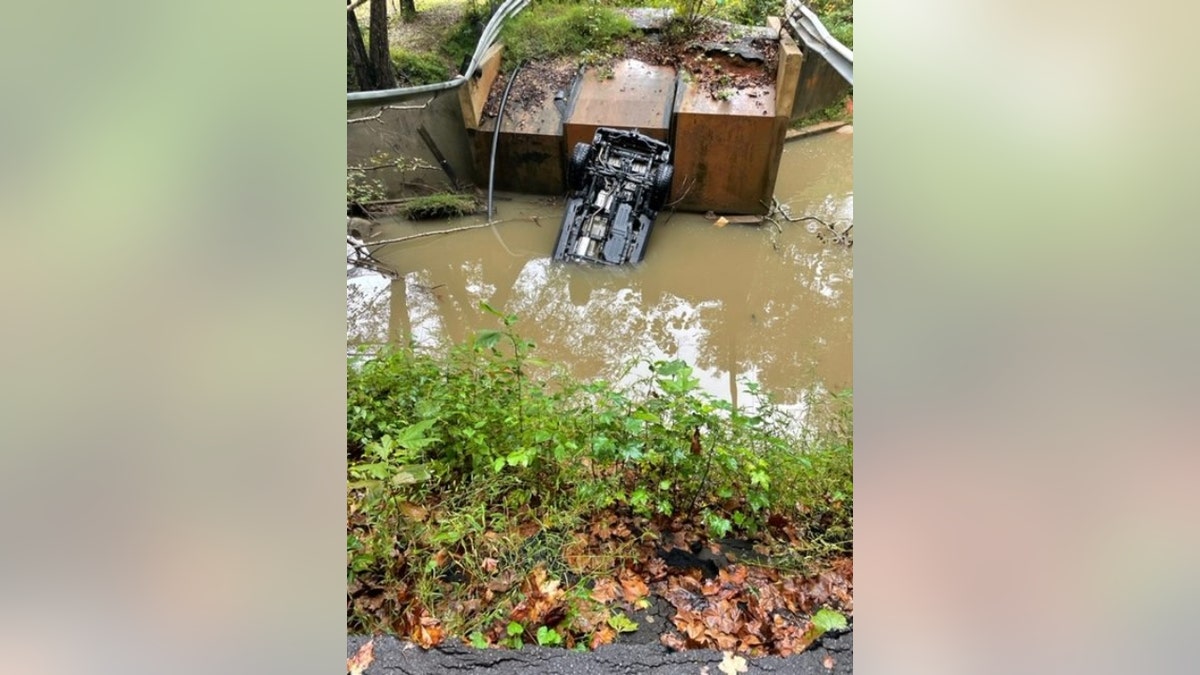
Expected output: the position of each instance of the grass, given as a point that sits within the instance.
(836, 111)
(415, 68)
(486, 488)
(460, 41)
(440, 205)
(547, 30)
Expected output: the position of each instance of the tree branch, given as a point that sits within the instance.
(427, 234)
(354, 120)
(435, 233)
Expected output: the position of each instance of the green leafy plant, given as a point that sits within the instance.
(548, 637)
(827, 619)
(515, 631)
(622, 623)
(364, 182)
(482, 459)
(691, 15)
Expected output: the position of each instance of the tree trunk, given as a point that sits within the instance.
(356, 51)
(408, 10)
(381, 58)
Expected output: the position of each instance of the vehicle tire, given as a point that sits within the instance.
(662, 186)
(577, 167)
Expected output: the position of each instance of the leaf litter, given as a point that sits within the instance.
(745, 608)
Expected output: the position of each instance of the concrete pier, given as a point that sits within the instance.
(725, 148)
(637, 96)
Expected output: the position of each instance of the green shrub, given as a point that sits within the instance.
(440, 205)
(838, 18)
(755, 12)
(451, 456)
(677, 451)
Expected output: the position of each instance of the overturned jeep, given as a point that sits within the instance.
(618, 184)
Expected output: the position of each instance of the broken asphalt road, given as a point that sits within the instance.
(393, 657)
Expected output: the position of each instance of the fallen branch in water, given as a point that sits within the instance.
(379, 114)
(363, 259)
(452, 230)
(410, 237)
(781, 210)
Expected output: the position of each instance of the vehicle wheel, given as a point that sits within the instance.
(577, 167)
(662, 186)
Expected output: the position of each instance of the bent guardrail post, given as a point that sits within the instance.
(809, 29)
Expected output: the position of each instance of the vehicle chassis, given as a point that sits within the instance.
(618, 182)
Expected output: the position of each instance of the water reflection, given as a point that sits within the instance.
(772, 305)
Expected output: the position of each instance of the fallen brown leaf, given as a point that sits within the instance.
(656, 568)
(605, 590)
(673, 640)
(355, 665)
(414, 512)
(734, 574)
(732, 665)
(633, 586)
(427, 632)
(576, 552)
(601, 530)
(603, 636)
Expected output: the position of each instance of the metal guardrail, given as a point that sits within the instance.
(809, 29)
(491, 31)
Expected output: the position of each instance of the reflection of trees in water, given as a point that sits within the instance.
(738, 305)
(368, 300)
(423, 311)
(784, 318)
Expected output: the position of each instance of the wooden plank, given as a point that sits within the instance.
(787, 76)
(775, 25)
(473, 95)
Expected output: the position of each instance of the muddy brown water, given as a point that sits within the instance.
(739, 302)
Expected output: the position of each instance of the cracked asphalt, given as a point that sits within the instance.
(394, 657)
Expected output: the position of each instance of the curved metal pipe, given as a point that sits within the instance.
(496, 139)
(387, 95)
(487, 38)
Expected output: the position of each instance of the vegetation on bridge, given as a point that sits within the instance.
(436, 40)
